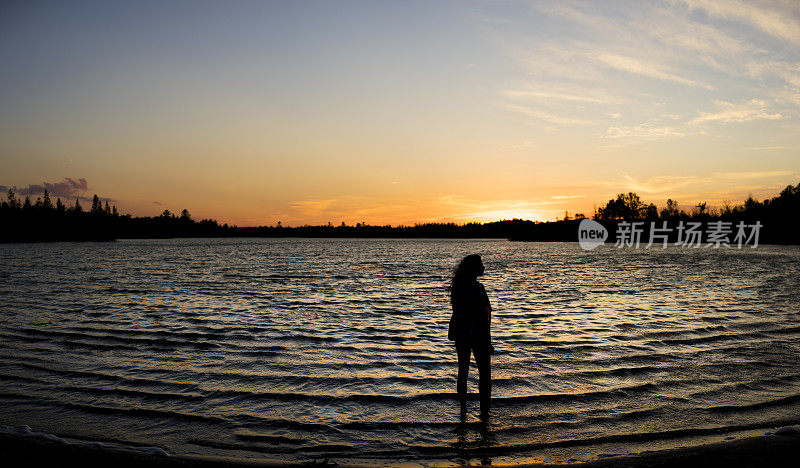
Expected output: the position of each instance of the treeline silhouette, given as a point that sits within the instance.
(43, 221)
(779, 218)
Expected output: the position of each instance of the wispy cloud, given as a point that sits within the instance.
(523, 145)
(660, 184)
(313, 207)
(778, 19)
(771, 148)
(643, 132)
(753, 174)
(545, 116)
(646, 69)
(755, 109)
(550, 95)
(698, 188)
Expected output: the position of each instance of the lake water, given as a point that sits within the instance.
(307, 348)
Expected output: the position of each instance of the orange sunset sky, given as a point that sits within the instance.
(398, 112)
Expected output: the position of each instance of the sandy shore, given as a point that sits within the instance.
(763, 451)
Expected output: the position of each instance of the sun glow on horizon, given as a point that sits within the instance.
(506, 215)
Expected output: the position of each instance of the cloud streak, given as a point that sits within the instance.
(753, 175)
(643, 132)
(755, 109)
(661, 184)
(646, 69)
(67, 188)
(546, 116)
(779, 20)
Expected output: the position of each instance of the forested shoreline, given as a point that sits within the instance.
(44, 221)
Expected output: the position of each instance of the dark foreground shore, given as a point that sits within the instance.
(763, 451)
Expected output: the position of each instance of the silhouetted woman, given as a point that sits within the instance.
(469, 328)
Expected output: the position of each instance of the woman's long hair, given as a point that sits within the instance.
(463, 275)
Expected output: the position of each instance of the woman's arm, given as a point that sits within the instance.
(486, 305)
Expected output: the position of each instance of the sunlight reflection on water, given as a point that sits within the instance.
(302, 347)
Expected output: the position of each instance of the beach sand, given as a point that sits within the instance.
(762, 451)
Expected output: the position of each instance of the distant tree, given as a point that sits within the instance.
(27, 204)
(78, 208)
(47, 203)
(787, 202)
(651, 212)
(114, 211)
(107, 209)
(625, 206)
(185, 215)
(700, 209)
(60, 206)
(671, 210)
(97, 205)
(38, 204)
(727, 208)
(13, 201)
(751, 204)
(166, 214)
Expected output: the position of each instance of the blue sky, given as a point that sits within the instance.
(397, 112)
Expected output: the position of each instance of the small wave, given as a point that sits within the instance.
(20, 378)
(434, 396)
(15, 396)
(143, 412)
(583, 396)
(259, 353)
(330, 448)
(269, 438)
(259, 421)
(132, 393)
(784, 331)
(383, 425)
(218, 444)
(78, 339)
(708, 339)
(392, 338)
(26, 431)
(683, 332)
(754, 406)
(613, 438)
(309, 338)
(116, 290)
(141, 382)
(186, 335)
(619, 417)
(621, 371)
(317, 397)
